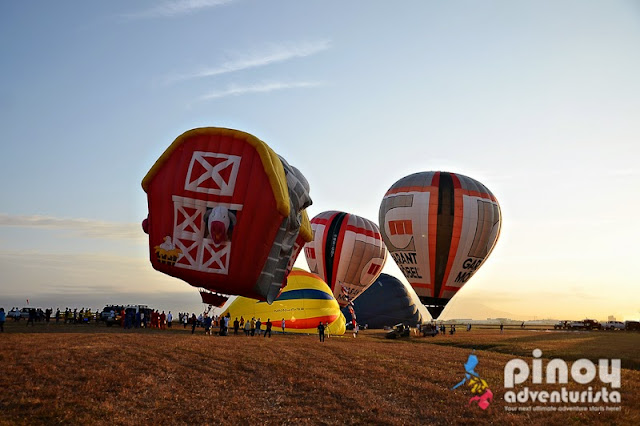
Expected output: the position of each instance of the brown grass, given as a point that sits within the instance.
(86, 374)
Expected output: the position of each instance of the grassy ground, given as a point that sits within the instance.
(94, 374)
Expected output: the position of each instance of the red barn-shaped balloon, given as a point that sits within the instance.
(225, 212)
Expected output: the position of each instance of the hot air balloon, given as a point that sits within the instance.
(305, 301)
(386, 302)
(347, 252)
(225, 212)
(439, 228)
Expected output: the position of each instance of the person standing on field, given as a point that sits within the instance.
(321, 331)
(194, 323)
(227, 320)
(283, 324)
(268, 330)
(3, 318)
(32, 317)
(163, 321)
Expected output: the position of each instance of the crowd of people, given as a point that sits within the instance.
(128, 318)
(124, 317)
(140, 318)
(250, 327)
(32, 315)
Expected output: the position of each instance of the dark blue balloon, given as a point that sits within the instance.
(386, 302)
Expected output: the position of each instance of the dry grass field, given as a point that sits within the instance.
(87, 374)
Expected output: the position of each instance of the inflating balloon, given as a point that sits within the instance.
(225, 212)
(305, 301)
(439, 228)
(386, 302)
(347, 252)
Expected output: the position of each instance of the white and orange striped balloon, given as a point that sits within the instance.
(347, 252)
(439, 228)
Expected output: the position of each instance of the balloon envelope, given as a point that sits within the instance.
(439, 228)
(225, 212)
(305, 301)
(347, 252)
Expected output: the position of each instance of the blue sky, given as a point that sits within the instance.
(538, 100)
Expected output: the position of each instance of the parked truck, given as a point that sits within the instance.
(586, 324)
(562, 325)
(613, 325)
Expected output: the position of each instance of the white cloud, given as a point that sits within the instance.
(274, 54)
(175, 8)
(235, 90)
(83, 227)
